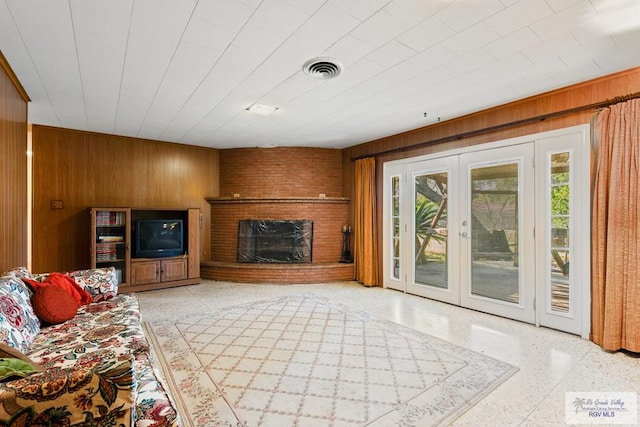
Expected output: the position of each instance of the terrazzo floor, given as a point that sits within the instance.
(550, 362)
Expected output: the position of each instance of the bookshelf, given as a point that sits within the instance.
(110, 238)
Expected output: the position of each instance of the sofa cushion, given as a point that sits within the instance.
(100, 330)
(19, 272)
(53, 304)
(19, 324)
(65, 283)
(96, 394)
(101, 283)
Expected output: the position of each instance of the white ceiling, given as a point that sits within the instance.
(186, 70)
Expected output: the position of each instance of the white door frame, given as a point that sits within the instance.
(522, 156)
(577, 319)
(581, 228)
(451, 293)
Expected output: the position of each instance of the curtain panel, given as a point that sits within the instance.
(616, 229)
(365, 228)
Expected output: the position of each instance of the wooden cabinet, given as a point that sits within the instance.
(173, 269)
(145, 271)
(114, 244)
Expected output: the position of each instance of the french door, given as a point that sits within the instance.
(461, 229)
(497, 246)
(431, 273)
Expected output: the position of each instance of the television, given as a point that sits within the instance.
(157, 238)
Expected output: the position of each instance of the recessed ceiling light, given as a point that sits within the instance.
(262, 109)
(322, 68)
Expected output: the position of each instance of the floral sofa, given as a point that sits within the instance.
(94, 369)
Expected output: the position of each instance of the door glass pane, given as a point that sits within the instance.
(559, 198)
(494, 232)
(430, 203)
(395, 224)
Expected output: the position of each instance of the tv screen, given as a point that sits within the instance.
(159, 238)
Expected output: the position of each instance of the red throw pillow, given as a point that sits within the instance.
(54, 305)
(64, 282)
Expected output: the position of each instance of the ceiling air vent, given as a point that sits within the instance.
(322, 68)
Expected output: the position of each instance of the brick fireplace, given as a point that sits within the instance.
(279, 184)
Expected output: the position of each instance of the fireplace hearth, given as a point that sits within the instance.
(275, 241)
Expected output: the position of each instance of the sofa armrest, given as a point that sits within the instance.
(82, 395)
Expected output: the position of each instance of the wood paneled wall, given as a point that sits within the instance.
(84, 169)
(587, 93)
(13, 169)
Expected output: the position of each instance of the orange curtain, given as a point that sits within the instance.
(365, 231)
(616, 230)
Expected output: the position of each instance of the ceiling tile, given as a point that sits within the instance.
(232, 68)
(390, 54)
(348, 50)
(475, 59)
(426, 34)
(283, 63)
(377, 87)
(330, 23)
(380, 29)
(258, 41)
(628, 43)
(512, 43)
(54, 56)
(156, 29)
(625, 57)
(564, 21)
(360, 9)
(539, 70)
(536, 82)
(14, 50)
(470, 39)
(188, 68)
(231, 15)
(463, 14)
(518, 15)
(558, 5)
(207, 35)
(276, 17)
(432, 58)
(616, 16)
(414, 12)
(507, 65)
(291, 88)
(420, 86)
(101, 42)
(551, 48)
(308, 6)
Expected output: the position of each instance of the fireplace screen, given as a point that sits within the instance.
(275, 241)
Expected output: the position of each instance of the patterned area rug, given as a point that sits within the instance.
(304, 361)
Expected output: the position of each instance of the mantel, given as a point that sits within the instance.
(240, 200)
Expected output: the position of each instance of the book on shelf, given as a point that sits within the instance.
(110, 239)
(108, 245)
(110, 218)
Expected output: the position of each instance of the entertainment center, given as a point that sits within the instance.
(149, 248)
